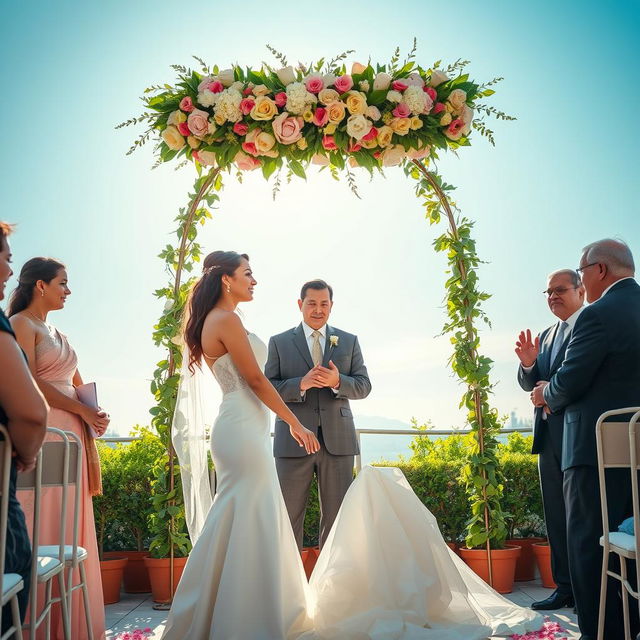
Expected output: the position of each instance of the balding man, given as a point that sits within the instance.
(539, 360)
(601, 371)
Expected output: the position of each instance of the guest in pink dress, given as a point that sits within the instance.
(42, 287)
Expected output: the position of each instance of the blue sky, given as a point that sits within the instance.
(562, 175)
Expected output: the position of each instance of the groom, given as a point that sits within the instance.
(316, 369)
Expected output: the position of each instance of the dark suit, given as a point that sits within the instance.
(601, 371)
(323, 411)
(547, 443)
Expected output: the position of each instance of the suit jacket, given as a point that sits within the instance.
(288, 362)
(543, 369)
(601, 370)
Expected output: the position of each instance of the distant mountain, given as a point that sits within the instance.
(379, 422)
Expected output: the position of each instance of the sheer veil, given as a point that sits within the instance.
(197, 403)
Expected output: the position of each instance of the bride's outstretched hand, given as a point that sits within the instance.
(304, 438)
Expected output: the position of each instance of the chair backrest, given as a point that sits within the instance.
(5, 473)
(618, 446)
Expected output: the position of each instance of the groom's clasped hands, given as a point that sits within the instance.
(320, 377)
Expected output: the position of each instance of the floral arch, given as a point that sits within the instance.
(283, 119)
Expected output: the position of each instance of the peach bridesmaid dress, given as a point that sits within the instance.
(56, 362)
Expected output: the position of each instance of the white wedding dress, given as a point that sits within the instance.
(384, 573)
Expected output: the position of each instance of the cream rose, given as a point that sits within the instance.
(172, 138)
(193, 142)
(263, 141)
(358, 126)
(356, 102)
(373, 113)
(358, 67)
(467, 117)
(416, 123)
(207, 157)
(336, 112)
(245, 162)
(176, 117)
(264, 109)
(401, 126)
(261, 90)
(384, 136)
(394, 96)
(302, 144)
(437, 78)
(286, 75)
(320, 159)
(393, 156)
(446, 119)
(457, 98)
(382, 81)
(364, 85)
(327, 96)
(369, 144)
(226, 77)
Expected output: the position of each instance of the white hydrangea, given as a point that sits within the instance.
(228, 106)
(414, 98)
(298, 98)
(207, 98)
(394, 96)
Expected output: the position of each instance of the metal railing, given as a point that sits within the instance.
(382, 432)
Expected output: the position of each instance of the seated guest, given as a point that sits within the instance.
(539, 360)
(23, 411)
(42, 288)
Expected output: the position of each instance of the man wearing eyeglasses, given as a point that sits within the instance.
(600, 372)
(539, 360)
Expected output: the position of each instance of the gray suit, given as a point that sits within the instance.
(322, 411)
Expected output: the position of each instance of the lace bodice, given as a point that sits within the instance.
(226, 373)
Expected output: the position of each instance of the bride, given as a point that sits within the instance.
(384, 572)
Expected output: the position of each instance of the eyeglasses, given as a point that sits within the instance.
(559, 291)
(581, 269)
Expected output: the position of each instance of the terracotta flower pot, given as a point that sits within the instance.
(309, 558)
(453, 546)
(526, 564)
(111, 572)
(503, 565)
(159, 576)
(542, 552)
(136, 577)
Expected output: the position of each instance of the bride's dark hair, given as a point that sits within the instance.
(205, 294)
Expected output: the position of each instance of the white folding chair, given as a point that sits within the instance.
(74, 555)
(11, 584)
(52, 470)
(618, 445)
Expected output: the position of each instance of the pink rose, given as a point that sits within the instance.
(314, 84)
(246, 105)
(373, 132)
(431, 92)
(250, 147)
(186, 104)
(240, 128)
(439, 106)
(402, 110)
(455, 127)
(183, 128)
(377, 154)
(215, 87)
(343, 83)
(329, 143)
(320, 117)
(247, 91)
(196, 156)
(198, 122)
(245, 162)
(354, 146)
(398, 85)
(280, 99)
(287, 130)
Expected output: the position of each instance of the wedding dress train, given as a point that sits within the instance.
(384, 573)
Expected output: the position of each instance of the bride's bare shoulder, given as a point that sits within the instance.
(221, 321)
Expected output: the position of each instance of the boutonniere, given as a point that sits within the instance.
(333, 340)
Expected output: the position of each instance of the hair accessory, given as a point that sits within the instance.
(208, 270)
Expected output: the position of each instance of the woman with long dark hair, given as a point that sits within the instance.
(43, 288)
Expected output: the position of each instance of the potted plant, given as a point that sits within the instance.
(542, 554)
(136, 461)
(522, 501)
(106, 509)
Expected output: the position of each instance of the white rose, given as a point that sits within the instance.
(457, 98)
(358, 126)
(373, 113)
(207, 98)
(437, 78)
(238, 86)
(393, 156)
(364, 85)
(286, 75)
(394, 96)
(414, 80)
(381, 81)
(226, 77)
(329, 79)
